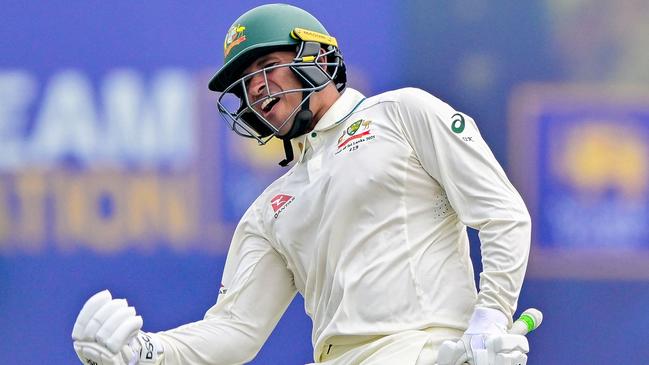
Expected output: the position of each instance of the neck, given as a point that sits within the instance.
(321, 102)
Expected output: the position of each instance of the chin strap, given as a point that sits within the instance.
(288, 150)
(301, 123)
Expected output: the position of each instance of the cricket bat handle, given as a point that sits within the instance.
(529, 320)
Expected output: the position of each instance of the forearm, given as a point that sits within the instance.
(258, 289)
(505, 245)
(210, 342)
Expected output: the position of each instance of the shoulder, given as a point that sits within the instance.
(413, 105)
(405, 96)
(409, 100)
(261, 205)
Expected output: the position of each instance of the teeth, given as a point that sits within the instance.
(266, 103)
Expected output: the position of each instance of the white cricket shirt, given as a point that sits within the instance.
(369, 225)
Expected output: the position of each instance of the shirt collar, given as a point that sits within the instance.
(340, 109)
(349, 100)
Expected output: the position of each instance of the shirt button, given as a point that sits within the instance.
(314, 134)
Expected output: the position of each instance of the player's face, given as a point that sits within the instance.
(278, 109)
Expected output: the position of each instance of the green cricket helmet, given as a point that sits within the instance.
(266, 29)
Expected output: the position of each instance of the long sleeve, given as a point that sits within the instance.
(256, 289)
(451, 149)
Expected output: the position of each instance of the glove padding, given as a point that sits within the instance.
(485, 342)
(107, 332)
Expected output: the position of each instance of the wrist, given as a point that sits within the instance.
(487, 320)
(147, 349)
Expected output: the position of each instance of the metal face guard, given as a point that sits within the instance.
(240, 114)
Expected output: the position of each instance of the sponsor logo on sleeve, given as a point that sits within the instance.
(458, 123)
(280, 202)
(457, 126)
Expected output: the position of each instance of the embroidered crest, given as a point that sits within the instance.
(234, 37)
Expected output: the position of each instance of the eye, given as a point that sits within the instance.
(271, 64)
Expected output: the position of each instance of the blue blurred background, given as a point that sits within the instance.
(116, 171)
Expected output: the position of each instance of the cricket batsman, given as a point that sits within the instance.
(368, 224)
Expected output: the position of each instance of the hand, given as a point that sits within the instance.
(107, 332)
(485, 342)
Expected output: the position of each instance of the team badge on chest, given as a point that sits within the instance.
(354, 135)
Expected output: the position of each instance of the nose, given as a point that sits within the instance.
(256, 85)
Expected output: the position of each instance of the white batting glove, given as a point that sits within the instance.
(485, 342)
(107, 332)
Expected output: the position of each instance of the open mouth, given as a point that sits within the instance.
(268, 104)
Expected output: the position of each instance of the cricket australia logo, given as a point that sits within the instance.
(357, 133)
(280, 202)
(234, 37)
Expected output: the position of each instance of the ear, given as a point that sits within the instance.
(322, 60)
(313, 73)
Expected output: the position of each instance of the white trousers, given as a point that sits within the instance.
(415, 347)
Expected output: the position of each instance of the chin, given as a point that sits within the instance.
(283, 130)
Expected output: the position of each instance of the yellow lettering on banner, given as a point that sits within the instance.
(143, 213)
(105, 211)
(31, 190)
(69, 209)
(140, 210)
(181, 211)
(78, 211)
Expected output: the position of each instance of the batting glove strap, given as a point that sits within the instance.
(146, 349)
